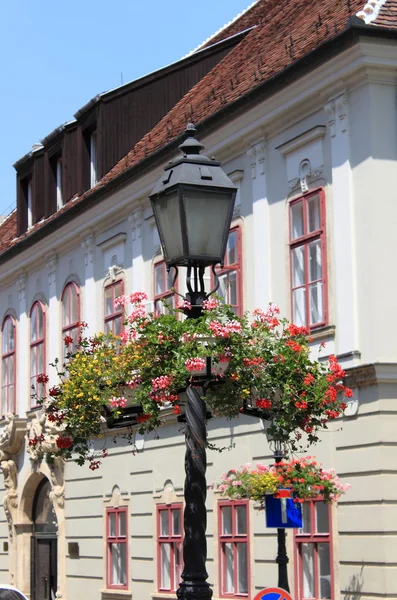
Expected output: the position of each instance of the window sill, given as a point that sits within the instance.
(163, 595)
(325, 332)
(115, 594)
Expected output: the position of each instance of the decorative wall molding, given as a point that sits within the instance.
(88, 246)
(257, 155)
(21, 286)
(115, 240)
(337, 109)
(302, 140)
(307, 174)
(113, 271)
(12, 433)
(136, 220)
(52, 262)
(57, 494)
(41, 437)
(10, 499)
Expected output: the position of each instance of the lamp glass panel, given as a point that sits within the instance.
(168, 219)
(207, 222)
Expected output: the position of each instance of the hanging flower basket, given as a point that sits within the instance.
(260, 359)
(283, 493)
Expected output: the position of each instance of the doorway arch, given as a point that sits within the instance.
(44, 544)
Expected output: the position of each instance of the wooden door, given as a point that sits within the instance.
(44, 566)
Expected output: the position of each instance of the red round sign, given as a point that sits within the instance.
(273, 594)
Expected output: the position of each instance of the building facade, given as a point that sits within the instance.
(305, 125)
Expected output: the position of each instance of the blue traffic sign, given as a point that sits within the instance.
(283, 513)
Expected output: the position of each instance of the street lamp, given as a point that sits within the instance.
(278, 448)
(193, 204)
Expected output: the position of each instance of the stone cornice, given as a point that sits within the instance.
(371, 374)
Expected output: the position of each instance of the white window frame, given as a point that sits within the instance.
(93, 159)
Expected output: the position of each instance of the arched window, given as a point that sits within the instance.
(71, 315)
(8, 367)
(37, 349)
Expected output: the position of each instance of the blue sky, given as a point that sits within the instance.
(56, 55)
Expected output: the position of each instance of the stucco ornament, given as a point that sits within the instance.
(57, 494)
(41, 437)
(12, 433)
(10, 501)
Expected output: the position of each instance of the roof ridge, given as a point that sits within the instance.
(370, 11)
(223, 28)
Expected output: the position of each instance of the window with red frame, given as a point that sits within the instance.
(169, 558)
(230, 274)
(114, 317)
(163, 281)
(71, 315)
(234, 548)
(313, 553)
(308, 260)
(116, 552)
(8, 367)
(37, 349)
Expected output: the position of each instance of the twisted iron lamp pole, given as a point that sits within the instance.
(282, 557)
(194, 585)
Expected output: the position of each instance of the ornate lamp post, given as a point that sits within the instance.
(193, 205)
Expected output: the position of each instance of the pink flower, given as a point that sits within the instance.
(138, 297)
(222, 487)
(268, 316)
(195, 364)
(210, 304)
(161, 383)
(186, 305)
(120, 301)
(118, 402)
(128, 336)
(138, 313)
(220, 330)
(236, 483)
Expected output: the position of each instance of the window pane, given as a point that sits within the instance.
(222, 290)
(40, 318)
(177, 564)
(166, 566)
(316, 303)
(159, 279)
(117, 326)
(119, 564)
(322, 517)
(40, 358)
(299, 302)
(228, 554)
(227, 520)
(231, 249)
(176, 521)
(313, 213)
(315, 268)
(170, 277)
(241, 513)
(33, 325)
(74, 304)
(306, 519)
(298, 266)
(108, 326)
(232, 288)
(65, 307)
(5, 371)
(112, 524)
(242, 569)
(109, 306)
(297, 220)
(324, 567)
(164, 524)
(11, 369)
(118, 289)
(308, 570)
(122, 524)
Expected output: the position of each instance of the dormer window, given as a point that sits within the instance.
(58, 180)
(29, 203)
(93, 159)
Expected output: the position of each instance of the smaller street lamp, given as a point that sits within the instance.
(193, 204)
(277, 447)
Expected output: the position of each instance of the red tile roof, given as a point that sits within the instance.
(286, 31)
(8, 231)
